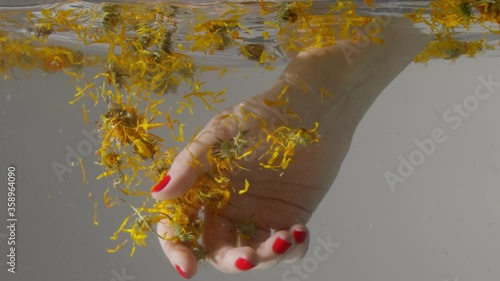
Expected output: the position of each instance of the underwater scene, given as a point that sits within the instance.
(250, 140)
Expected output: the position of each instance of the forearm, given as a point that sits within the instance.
(342, 84)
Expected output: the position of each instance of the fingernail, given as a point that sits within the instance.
(182, 273)
(280, 246)
(299, 236)
(243, 264)
(161, 184)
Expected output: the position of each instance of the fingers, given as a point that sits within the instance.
(301, 244)
(284, 246)
(220, 240)
(181, 257)
(274, 249)
(231, 259)
(225, 255)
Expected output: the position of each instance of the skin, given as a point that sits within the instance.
(285, 203)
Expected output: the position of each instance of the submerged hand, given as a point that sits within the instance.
(280, 204)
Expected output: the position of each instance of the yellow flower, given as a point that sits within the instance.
(140, 227)
(283, 142)
(489, 11)
(446, 47)
(452, 13)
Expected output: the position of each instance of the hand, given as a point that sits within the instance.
(280, 204)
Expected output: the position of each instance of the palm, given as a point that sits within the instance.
(277, 199)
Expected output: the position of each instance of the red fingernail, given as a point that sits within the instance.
(299, 236)
(161, 185)
(280, 246)
(243, 264)
(182, 273)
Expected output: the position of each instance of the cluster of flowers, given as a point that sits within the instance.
(446, 18)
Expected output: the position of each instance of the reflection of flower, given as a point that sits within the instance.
(447, 15)
(448, 48)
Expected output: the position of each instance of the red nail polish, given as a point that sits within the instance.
(243, 264)
(280, 246)
(299, 236)
(182, 273)
(161, 184)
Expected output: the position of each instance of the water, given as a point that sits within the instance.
(440, 224)
(188, 14)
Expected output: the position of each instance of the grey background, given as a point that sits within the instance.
(442, 223)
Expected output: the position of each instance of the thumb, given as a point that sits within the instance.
(192, 161)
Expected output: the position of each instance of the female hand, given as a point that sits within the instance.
(281, 203)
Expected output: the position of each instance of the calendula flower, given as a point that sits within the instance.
(224, 153)
(452, 13)
(138, 230)
(489, 11)
(283, 142)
